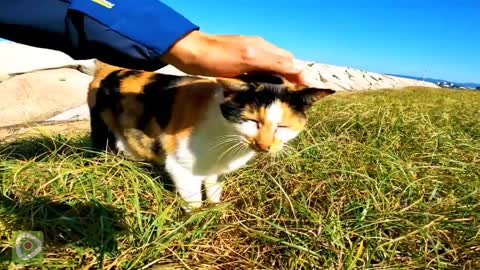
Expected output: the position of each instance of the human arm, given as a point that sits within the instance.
(131, 34)
(137, 34)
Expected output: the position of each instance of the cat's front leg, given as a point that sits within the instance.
(213, 189)
(188, 186)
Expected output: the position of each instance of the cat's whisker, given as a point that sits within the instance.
(227, 136)
(226, 152)
(224, 142)
(241, 147)
(289, 150)
(289, 147)
(274, 158)
(283, 153)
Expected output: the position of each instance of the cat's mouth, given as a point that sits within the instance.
(263, 149)
(258, 148)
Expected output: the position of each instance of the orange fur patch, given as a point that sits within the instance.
(135, 84)
(191, 104)
(291, 119)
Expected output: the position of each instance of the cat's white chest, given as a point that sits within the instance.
(213, 148)
(204, 159)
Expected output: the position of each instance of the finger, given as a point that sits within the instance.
(276, 50)
(300, 78)
(284, 53)
(289, 68)
(277, 63)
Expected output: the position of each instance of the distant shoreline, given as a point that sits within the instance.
(436, 81)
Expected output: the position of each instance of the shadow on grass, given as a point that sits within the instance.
(81, 224)
(43, 147)
(90, 224)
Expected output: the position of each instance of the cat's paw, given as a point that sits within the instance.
(213, 189)
(216, 199)
(189, 207)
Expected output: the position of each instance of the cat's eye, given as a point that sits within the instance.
(252, 121)
(282, 126)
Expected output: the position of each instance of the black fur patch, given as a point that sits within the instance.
(102, 138)
(261, 77)
(108, 97)
(158, 100)
(232, 109)
(157, 147)
(108, 94)
(264, 94)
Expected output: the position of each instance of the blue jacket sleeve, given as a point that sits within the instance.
(127, 33)
(148, 22)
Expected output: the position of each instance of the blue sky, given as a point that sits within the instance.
(439, 39)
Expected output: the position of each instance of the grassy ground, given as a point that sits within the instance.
(381, 180)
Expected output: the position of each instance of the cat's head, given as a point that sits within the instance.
(267, 110)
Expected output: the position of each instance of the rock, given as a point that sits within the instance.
(18, 59)
(14, 133)
(4, 77)
(41, 95)
(79, 113)
(350, 79)
(341, 78)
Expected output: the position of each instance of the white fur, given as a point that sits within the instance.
(213, 189)
(248, 128)
(285, 134)
(274, 113)
(187, 185)
(121, 146)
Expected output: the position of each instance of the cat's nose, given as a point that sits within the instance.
(263, 147)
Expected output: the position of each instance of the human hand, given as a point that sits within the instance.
(230, 56)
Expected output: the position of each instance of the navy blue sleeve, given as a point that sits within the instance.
(127, 33)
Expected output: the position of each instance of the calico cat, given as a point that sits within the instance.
(197, 128)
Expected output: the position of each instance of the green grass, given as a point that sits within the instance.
(381, 180)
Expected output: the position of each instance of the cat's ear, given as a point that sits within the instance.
(252, 80)
(306, 97)
(233, 85)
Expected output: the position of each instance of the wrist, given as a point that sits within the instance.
(186, 50)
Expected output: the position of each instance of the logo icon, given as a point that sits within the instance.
(27, 247)
(104, 3)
